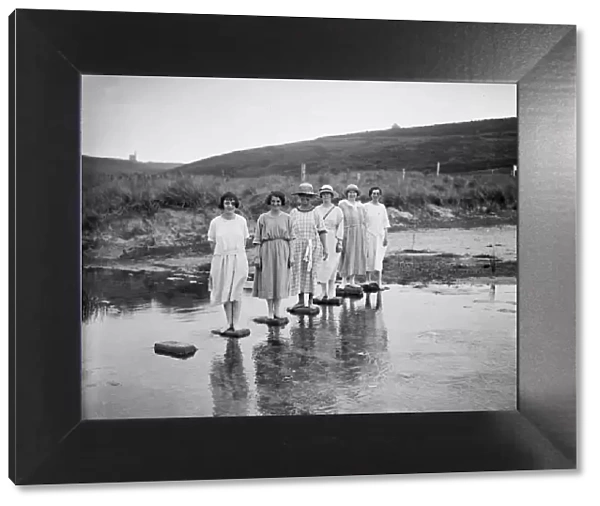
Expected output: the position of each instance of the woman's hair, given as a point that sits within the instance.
(275, 193)
(376, 188)
(229, 196)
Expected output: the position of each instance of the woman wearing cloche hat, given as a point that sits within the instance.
(353, 259)
(333, 218)
(309, 247)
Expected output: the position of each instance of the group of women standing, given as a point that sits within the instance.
(295, 252)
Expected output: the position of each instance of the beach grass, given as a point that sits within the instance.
(106, 195)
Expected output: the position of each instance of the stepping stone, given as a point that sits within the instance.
(330, 301)
(272, 322)
(306, 310)
(232, 333)
(175, 349)
(349, 291)
(371, 287)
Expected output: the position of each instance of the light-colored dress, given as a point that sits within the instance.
(333, 218)
(273, 234)
(229, 265)
(376, 221)
(307, 250)
(353, 260)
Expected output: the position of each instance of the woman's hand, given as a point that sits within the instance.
(258, 262)
(325, 255)
(290, 262)
(385, 242)
(338, 247)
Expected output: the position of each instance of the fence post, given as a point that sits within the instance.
(403, 174)
(302, 172)
(438, 169)
(514, 171)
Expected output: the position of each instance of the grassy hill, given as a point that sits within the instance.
(96, 165)
(459, 147)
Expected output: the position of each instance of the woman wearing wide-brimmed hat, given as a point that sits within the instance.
(333, 218)
(309, 248)
(353, 260)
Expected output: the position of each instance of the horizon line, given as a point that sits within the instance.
(302, 140)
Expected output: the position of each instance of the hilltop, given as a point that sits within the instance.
(97, 165)
(459, 147)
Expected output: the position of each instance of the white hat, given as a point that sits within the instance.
(326, 188)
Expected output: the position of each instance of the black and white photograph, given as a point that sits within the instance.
(296, 247)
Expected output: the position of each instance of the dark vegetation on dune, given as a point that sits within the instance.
(459, 147)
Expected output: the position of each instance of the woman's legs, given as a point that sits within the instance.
(331, 288)
(324, 291)
(270, 307)
(236, 309)
(276, 306)
(228, 306)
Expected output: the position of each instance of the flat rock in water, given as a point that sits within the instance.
(175, 348)
(330, 301)
(306, 310)
(274, 322)
(371, 287)
(232, 333)
(349, 291)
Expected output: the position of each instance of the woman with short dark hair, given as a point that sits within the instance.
(376, 226)
(227, 235)
(273, 255)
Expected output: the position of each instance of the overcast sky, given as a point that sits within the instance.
(187, 119)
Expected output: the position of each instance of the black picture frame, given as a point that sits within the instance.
(50, 443)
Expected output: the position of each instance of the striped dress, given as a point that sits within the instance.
(353, 260)
(307, 250)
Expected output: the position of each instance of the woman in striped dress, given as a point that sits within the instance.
(353, 261)
(310, 246)
(273, 255)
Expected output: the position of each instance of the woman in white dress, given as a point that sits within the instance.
(227, 234)
(376, 224)
(333, 218)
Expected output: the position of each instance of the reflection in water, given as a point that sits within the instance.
(363, 351)
(493, 292)
(443, 352)
(318, 368)
(228, 382)
(125, 292)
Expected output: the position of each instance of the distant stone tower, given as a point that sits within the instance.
(133, 158)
